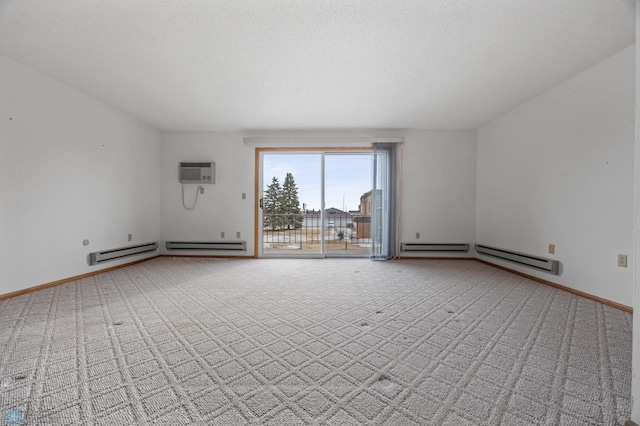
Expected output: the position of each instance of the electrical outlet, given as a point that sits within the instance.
(244, 195)
(622, 260)
(222, 234)
(238, 234)
(417, 235)
(129, 237)
(201, 190)
(552, 248)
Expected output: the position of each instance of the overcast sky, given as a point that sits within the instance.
(346, 175)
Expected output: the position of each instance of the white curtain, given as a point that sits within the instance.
(385, 200)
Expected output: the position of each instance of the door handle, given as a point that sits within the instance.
(260, 203)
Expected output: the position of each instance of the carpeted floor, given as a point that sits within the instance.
(325, 342)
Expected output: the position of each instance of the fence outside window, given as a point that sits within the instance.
(350, 233)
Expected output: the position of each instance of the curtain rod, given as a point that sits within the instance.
(317, 142)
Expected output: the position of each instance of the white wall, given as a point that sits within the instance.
(439, 189)
(559, 169)
(221, 207)
(71, 168)
(438, 184)
(635, 362)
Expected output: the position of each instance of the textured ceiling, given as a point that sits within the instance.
(305, 64)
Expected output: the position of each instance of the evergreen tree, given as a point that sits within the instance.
(291, 203)
(272, 205)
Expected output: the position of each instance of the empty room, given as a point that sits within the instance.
(319, 213)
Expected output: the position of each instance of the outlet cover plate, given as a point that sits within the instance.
(622, 260)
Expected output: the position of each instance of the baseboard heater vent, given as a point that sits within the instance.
(194, 245)
(118, 253)
(422, 247)
(547, 265)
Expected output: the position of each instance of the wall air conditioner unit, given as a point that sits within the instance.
(197, 173)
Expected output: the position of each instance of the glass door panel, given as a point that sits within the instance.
(290, 222)
(347, 186)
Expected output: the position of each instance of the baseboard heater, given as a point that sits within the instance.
(195, 245)
(547, 265)
(422, 247)
(118, 253)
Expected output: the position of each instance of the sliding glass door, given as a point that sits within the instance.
(323, 204)
(290, 213)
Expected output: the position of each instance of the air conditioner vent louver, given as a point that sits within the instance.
(195, 165)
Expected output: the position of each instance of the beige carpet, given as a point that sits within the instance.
(324, 342)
